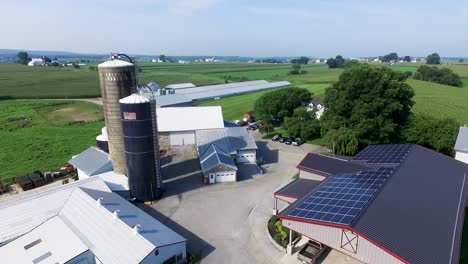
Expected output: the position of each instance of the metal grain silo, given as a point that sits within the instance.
(141, 147)
(117, 80)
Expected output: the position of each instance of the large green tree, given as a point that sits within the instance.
(23, 57)
(337, 62)
(433, 58)
(374, 102)
(278, 104)
(342, 141)
(438, 134)
(302, 124)
(390, 57)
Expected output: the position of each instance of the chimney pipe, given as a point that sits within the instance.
(136, 229)
(116, 214)
(99, 201)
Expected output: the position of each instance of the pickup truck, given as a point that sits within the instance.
(311, 252)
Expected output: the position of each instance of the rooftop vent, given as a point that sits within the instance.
(116, 214)
(99, 201)
(136, 229)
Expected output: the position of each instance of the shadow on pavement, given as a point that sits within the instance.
(266, 154)
(195, 244)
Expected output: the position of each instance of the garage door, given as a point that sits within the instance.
(182, 138)
(245, 157)
(228, 176)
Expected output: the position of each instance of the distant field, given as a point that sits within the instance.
(234, 107)
(440, 100)
(45, 134)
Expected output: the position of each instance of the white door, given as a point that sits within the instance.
(180, 138)
(212, 178)
(227, 176)
(245, 156)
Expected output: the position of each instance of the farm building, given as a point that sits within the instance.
(91, 162)
(177, 125)
(36, 62)
(461, 145)
(317, 106)
(220, 150)
(185, 94)
(84, 222)
(318, 167)
(405, 205)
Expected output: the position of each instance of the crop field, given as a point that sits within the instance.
(44, 135)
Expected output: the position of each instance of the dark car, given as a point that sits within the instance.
(288, 141)
(282, 139)
(276, 137)
(298, 142)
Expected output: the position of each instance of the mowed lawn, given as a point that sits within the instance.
(44, 135)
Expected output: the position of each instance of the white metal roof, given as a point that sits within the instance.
(171, 99)
(111, 239)
(215, 87)
(462, 140)
(114, 63)
(39, 245)
(91, 160)
(115, 181)
(134, 99)
(229, 139)
(171, 119)
(180, 85)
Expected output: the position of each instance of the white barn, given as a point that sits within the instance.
(84, 222)
(177, 125)
(91, 162)
(461, 145)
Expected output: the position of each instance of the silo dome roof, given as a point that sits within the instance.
(115, 63)
(134, 99)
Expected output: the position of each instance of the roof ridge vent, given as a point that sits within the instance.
(116, 214)
(136, 229)
(99, 201)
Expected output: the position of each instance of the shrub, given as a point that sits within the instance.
(436, 75)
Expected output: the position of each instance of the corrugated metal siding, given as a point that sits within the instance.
(331, 236)
(310, 176)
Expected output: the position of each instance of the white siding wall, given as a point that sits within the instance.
(462, 156)
(165, 253)
(310, 176)
(366, 251)
(226, 176)
(182, 138)
(246, 156)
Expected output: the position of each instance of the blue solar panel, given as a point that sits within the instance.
(340, 199)
(384, 154)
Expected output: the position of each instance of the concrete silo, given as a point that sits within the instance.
(141, 147)
(117, 80)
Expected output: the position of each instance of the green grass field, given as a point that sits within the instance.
(45, 134)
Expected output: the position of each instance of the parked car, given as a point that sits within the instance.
(276, 137)
(298, 142)
(282, 139)
(253, 127)
(311, 252)
(288, 141)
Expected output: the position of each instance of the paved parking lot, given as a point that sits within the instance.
(226, 223)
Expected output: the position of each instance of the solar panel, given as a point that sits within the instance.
(384, 154)
(340, 199)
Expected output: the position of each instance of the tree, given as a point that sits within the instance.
(438, 134)
(23, 57)
(162, 58)
(407, 58)
(342, 141)
(278, 104)
(461, 60)
(350, 63)
(374, 102)
(337, 62)
(433, 58)
(300, 60)
(436, 75)
(390, 57)
(296, 69)
(268, 129)
(302, 124)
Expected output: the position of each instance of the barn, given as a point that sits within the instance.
(461, 145)
(177, 125)
(407, 205)
(91, 162)
(217, 166)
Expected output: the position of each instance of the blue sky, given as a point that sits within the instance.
(238, 27)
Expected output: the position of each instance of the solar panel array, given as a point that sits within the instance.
(384, 154)
(340, 199)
